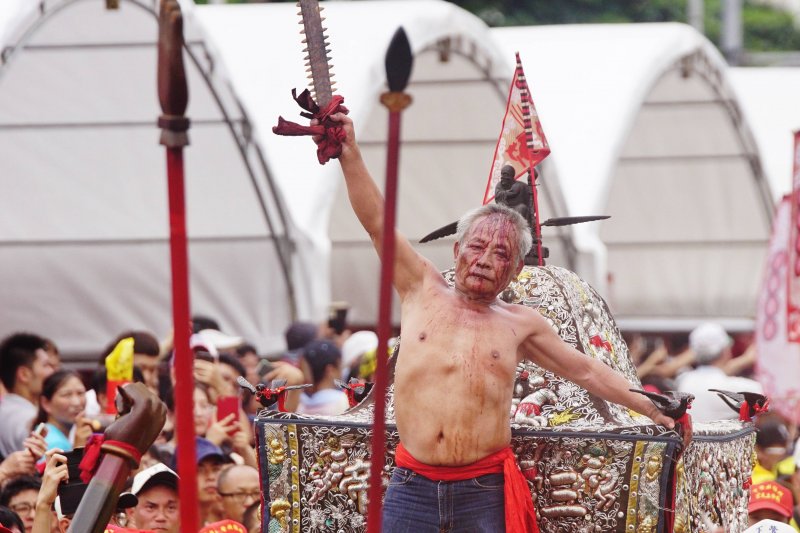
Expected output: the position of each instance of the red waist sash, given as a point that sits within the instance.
(519, 512)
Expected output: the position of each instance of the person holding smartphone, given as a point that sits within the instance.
(61, 408)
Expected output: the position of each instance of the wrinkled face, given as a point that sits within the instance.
(486, 261)
(158, 509)
(239, 490)
(67, 402)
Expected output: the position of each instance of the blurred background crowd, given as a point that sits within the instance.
(46, 411)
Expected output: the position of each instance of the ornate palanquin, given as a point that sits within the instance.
(591, 466)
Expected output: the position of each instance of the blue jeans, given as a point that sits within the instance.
(415, 504)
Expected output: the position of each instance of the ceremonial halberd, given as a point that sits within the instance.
(591, 466)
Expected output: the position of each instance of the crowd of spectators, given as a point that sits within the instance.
(711, 359)
(46, 412)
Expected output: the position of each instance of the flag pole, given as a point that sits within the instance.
(398, 70)
(173, 95)
(527, 122)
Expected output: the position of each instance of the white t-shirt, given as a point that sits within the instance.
(707, 406)
(323, 402)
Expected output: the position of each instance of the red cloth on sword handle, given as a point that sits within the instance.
(91, 454)
(333, 135)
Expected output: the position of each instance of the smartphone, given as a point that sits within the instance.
(41, 430)
(73, 461)
(227, 405)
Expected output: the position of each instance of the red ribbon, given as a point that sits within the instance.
(330, 147)
(519, 511)
(93, 449)
(744, 410)
(600, 343)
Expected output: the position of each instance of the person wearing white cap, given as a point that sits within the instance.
(354, 347)
(712, 350)
(158, 508)
(770, 526)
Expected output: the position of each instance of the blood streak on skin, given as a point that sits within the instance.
(498, 228)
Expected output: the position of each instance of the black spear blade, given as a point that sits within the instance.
(398, 61)
(568, 221)
(444, 231)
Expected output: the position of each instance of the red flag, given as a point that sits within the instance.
(522, 143)
(793, 272)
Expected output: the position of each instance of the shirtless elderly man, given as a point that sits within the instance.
(454, 379)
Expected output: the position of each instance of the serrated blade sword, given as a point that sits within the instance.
(317, 59)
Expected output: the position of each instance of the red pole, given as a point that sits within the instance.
(396, 102)
(184, 382)
(173, 95)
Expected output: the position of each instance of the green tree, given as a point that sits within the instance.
(766, 28)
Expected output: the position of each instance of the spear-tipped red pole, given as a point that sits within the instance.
(398, 71)
(173, 95)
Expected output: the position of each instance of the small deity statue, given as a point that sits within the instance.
(512, 193)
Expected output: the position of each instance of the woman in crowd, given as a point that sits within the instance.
(61, 409)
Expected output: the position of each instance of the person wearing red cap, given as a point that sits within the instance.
(770, 501)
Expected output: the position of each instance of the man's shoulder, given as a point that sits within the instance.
(14, 405)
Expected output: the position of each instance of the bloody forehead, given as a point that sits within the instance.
(494, 227)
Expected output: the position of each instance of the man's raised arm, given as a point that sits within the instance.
(367, 202)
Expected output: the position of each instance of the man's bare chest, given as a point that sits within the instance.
(474, 336)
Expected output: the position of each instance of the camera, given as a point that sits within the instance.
(337, 316)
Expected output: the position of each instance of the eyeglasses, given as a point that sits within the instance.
(241, 497)
(22, 508)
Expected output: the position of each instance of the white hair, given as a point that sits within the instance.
(524, 237)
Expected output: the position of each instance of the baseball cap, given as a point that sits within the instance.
(219, 340)
(204, 449)
(158, 474)
(770, 526)
(358, 344)
(707, 341)
(772, 496)
(224, 526)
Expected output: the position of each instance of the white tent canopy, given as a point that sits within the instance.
(84, 237)
(768, 98)
(653, 136)
(639, 120)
